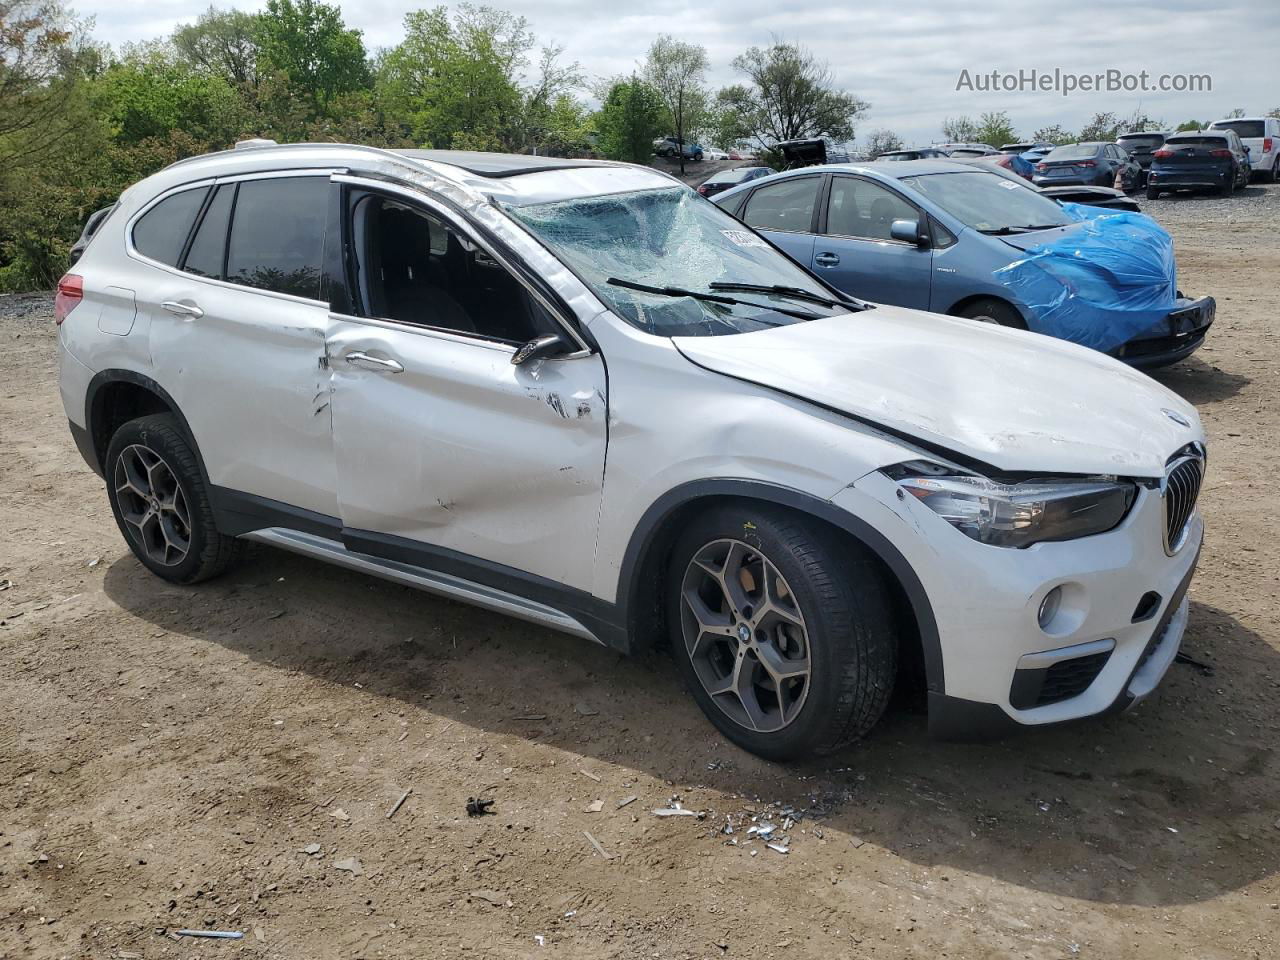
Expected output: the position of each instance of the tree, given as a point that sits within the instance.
(1190, 126)
(149, 94)
(1236, 114)
(960, 130)
(1103, 126)
(1054, 133)
(454, 82)
(629, 119)
(790, 95)
(222, 43)
(995, 129)
(38, 77)
(1139, 122)
(883, 141)
(675, 69)
(1274, 112)
(551, 119)
(308, 43)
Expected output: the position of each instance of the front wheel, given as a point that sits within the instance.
(783, 631)
(161, 504)
(990, 310)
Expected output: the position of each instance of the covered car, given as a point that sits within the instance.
(959, 239)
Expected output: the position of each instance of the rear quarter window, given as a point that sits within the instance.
(162, 231)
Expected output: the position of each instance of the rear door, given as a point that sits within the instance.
(855, 252)
(787, 212)
(237, 336)
(448, 454)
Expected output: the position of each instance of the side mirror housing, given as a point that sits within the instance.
(909, 231)
(539, 348)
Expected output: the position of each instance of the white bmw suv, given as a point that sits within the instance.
(580, 394)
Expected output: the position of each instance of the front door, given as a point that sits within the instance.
(447, 453)
(855, 252)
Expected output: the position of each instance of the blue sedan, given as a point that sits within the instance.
(948, 238)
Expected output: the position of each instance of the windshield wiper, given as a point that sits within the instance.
(710, 298)
(1026, 228)
(798, 293)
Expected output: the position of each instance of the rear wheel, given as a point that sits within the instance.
(1152, 192)
(990, 310)
(1229, 187)
(1274, 176)
(782, 630)
(161, 504)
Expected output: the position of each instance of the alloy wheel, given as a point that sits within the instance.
(745, 635)
(153, 505)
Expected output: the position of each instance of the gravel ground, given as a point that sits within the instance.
(226, 756)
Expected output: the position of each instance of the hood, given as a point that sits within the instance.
(1014, 400)
(1025, 241)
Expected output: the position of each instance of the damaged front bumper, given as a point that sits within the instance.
(1174, 338)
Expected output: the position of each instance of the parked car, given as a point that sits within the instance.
(1107, 197)
(396, 362)
(91, 226)
(726, 179)
(931, 234)
(1141, 145)
(811, 151)
(711, 153)
(1262, 137)
(1208, 160)
(967, 149)
(741, 153)
(1095, 163)
(1021, 148)
(922, 153)
(672, 147)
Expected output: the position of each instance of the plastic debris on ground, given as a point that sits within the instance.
(1101, 284)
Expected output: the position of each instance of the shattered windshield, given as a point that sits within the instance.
(673, 264)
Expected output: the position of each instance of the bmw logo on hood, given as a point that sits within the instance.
(1176, 417)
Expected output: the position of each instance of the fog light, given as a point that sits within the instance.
(1049, 607)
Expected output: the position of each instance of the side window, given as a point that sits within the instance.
(860, 208)
(415, 269)
(162, 231)
(786, 205)
(277, 234)
(208, 248)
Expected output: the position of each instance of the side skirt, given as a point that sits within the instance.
(440, 584)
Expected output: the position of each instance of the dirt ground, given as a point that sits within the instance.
(216, 757)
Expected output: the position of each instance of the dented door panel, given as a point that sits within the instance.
(462, 450)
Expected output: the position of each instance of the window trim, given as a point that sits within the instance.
(817, 204)
(921, 214)
(442, 212)
(134, 253)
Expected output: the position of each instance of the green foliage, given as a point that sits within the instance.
(223, 43)
(1190, 126)
(995, 129)
(960, 130)
(308, 43)
(629, 120)
(144, 98)
(1103, 126)
(1054, 133)
(883, 141)
(790, 94)
(675, 69)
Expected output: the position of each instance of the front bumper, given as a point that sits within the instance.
(1175, 338)
(1121, 594)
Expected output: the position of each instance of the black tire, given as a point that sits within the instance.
(1229, 187)
(1275, 171)
(208, 551)
(991, 310)
(1152, 193)
(850, 637)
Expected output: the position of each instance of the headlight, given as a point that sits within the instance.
(1018, 514)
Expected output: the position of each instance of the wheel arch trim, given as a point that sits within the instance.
(648, 531)
(92, 401)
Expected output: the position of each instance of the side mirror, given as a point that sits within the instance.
(908, 231)
(539, 348)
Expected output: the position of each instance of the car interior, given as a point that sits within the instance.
(414, 269)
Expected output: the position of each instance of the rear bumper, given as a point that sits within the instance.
(1178, 336)
(1199, 178)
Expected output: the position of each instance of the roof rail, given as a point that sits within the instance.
(255, 142)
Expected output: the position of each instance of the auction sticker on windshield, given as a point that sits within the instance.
(744, 239)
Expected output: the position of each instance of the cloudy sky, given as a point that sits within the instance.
(904, 58)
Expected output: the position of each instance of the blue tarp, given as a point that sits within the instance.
(1101, 284)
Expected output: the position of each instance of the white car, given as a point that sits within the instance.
(1262, 136)
(578, 393)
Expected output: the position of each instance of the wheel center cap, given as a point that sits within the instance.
(744, 633)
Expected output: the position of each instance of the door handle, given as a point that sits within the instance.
(380, 364)
(181, 308)
(827, 260)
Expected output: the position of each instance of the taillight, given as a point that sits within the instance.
(1163, 154)
(1220, 153)
(1266, 144)
(1086, 163)
(70, 293)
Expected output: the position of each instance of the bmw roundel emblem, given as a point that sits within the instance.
(1176, 417)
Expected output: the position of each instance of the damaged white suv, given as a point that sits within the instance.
(578, 393)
